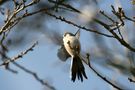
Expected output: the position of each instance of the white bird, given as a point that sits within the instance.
(72, 46)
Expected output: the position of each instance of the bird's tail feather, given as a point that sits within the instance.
(77, 69)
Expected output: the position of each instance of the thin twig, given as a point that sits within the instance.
(102, 12)
(99, 75)
(19, 55)
(115, 24)
(122, 41)
(34, 75)
(119, 31)
(131, 80)
(6, 63)
(119, 14)
(3, 53)
(67, 21)
(130, 19)
(10, 20)
(65, 5)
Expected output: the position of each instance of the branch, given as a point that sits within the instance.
(19, 55)
(6, 64)
(99, 75)
(45, 10)
(13, 20)
(3, 1)
(65, 5)
(115, 24)
(120, 14)
(87, 62)
(10, 19)
(122, 41)
(131, 80)
(34, 75)
(3, 52)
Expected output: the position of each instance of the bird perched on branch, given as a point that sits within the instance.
(72, 46)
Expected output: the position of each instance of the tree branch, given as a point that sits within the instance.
(98, 74)
(19, 55)
(35, 76)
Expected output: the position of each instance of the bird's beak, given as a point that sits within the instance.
(78, 31)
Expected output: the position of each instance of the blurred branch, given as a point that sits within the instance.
(120, 15)
(31, 73)
(13, 19)
(35, 76)
(79, 26)
(3, 1)
(45, 10)
(121, 40)
(61, 3)
(18, 8)
(3, 52)
(99, 75)
(131, 80)
(105, 79)
(5, 63)
(114, 24)
(11, 60)
(103, 13)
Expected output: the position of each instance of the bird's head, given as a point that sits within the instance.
(68, 34)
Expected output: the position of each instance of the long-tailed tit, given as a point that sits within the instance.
(72, 46)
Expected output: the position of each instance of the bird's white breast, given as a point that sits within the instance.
(73, 42)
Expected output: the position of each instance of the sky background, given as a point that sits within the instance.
(44, 61)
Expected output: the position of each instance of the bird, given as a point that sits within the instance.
(64, 53)
(72, 46)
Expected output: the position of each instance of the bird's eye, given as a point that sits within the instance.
(64, 35)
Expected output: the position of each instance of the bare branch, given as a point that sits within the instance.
(68, 6)
(6, 64)
(67, 21)
(131, 80)
(19, 55)
(99, 75)
(10, 20)
(122, 41)
(34, 75)
(102, 12)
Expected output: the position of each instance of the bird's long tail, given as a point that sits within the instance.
(77, 69)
